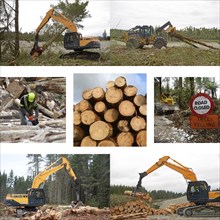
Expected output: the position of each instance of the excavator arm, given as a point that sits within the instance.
(187, 173)
(68, 24)
(40, 179)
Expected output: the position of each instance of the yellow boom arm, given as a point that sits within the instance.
(187, 173)
(57, 17)
(53, 168)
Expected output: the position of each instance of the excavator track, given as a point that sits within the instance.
(83, 55)
(200, 211)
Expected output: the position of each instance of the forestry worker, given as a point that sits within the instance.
(28, 109)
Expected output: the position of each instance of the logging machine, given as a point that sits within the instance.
(35, 196)
(198, 192)
(73, 40)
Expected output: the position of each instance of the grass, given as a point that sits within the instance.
(175, 56)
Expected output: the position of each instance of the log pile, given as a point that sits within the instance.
(144, 196)
(140, 209)
(51, 100)
(57, 213)
(115, 116)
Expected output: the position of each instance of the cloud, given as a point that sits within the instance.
(125, 166)
(86, 81)
(126, 14)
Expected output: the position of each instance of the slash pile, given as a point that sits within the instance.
(112, 117)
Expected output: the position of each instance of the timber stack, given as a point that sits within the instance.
(112, 117)
(66, 212)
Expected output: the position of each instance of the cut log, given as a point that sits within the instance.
(120, 82)
(113, 95)
(123, 125)
(47, 112)
(139, 100)
(144, 196)
(143, 110)
(138, 123)
(88, 117)
(125, 139)
(141, 138)
(77, 118)
(107, 143)
(111, 115)
(130, 91)
(76, 107)
(126, 108)
(84, 105)
(100, 130)
(110, 84)
(100, 107)
(78, 133)
(15, 89)
(98, 94)
(87, 94)
(88, 142)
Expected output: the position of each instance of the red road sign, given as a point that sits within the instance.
(205, 122)
(201, 104)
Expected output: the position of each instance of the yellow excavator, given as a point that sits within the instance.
(35, 196)
(198, 192)
(167, 105)
(73, 40)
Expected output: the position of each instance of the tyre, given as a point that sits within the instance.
(160, 42)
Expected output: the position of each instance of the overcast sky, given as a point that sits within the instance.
(90, 81)
(125, 166)
(127, 163)
(181, 13)
(32, 12)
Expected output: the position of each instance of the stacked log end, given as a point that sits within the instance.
(114, 116)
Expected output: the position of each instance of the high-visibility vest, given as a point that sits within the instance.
(28, 105)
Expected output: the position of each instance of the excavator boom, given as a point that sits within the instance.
(72, 40)
(187, 173)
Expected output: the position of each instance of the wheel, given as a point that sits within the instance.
(133, 43)
(179, 211)
(160, 42)
(187, 212)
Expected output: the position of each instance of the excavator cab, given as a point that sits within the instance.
(198, 192)
(36, 197)
(72, 41)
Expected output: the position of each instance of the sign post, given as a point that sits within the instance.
(202, 107)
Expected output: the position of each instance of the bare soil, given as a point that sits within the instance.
(176, 129)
